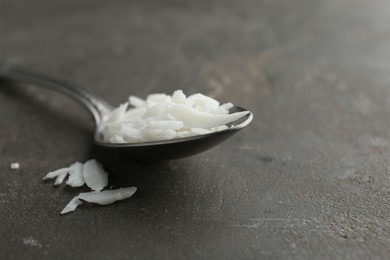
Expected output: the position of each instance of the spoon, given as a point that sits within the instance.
(99, 110)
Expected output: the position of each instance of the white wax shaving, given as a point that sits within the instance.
(164, 117)
(14, 166)
(107, 196)
(72, 205)
(94, 175)
(59, 175)
(76, 178)
(102, 198)
(74, 171)
(192, 117)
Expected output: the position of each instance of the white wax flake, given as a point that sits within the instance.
(166, 124)
(94, 175)
(117, 139)
(72, 205)
(102, 198)
(107, 196)
(203, 103)
(195, 118)
(136, 101)
(14, 166)
(76, 178)
(59, 175)
(224, 108)
(74, 171)
(200, 131)
(118, 112)
(162, 117)
(179, 97)
(129, 134)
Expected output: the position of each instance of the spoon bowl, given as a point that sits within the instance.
(174, 148)
(100, 110)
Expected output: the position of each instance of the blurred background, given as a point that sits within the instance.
(308, 179)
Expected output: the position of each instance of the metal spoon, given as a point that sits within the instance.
(99, 110)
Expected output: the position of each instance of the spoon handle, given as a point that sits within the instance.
(97, 107)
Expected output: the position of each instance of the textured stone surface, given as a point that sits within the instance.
(308, 179)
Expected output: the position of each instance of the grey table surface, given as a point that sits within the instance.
(308, 179)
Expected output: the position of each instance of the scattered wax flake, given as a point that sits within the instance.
(72, 205)
(76, 178)
(59, 174)
(107, 196)
(14, 166)
(60, 179)
(102, 198)
(91, 173)
(56, 173)
(94, 175)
